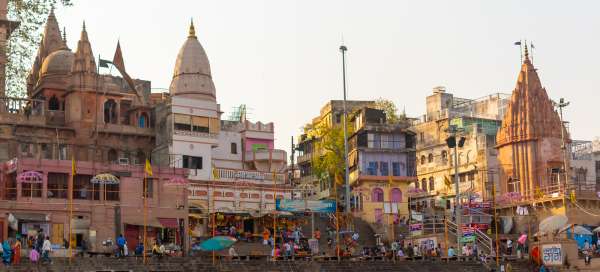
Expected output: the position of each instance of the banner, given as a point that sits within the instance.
(296, 205)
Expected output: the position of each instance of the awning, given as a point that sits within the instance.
(38, 217)
(197, 216)
(169, 223)
(150, 222)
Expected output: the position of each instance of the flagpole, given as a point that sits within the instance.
(274, 217)
(145, 196)
(71, 183)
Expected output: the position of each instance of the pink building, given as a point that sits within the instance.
(100, 212)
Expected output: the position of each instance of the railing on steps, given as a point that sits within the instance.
(484, 242)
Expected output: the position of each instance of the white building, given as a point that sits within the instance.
(232, 164)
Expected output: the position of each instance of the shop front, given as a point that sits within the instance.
(167, 231)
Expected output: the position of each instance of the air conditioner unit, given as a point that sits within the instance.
(123, 161)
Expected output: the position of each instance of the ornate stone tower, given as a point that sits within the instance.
(6, 28)
(529, 140)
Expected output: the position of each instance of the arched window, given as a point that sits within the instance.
(110, 111)
(53, 103)
(377, 195)
(143, 121)
(444, 156)
(112, 155)
(416, 184)
(430, 158)
(467, 159)
(423, 159)
(396, 195)
(431, 184)
(424, 185)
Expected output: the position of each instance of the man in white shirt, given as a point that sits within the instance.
(509, 247)
(232, 252)
(46, 249)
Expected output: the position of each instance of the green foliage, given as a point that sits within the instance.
(390, 109)
(328, 159)
(23, 42)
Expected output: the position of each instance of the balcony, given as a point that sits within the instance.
(265, 155)
(223, 174)
(125, 129)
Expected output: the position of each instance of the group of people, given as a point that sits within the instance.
(12, 248)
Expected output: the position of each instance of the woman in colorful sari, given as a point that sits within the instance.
(17, 250)
(7, 252)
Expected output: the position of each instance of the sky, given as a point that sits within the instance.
(281, 57)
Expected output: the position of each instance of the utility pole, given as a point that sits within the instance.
(562, 104)
(343, 49)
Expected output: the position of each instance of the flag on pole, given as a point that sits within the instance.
(73, 170)
(148, 168)
(215, 173)
(447, 181)
(104, 63)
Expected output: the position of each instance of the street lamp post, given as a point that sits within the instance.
(343, 49)
(562, 104)
(453, 143)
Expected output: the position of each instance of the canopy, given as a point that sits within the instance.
(216, 243)
(30, 177)
(553, 223)
(579, 230)
(596, 229)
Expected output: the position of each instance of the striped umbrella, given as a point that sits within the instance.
(105, 179)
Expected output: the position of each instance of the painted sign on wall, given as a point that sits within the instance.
(552, 254)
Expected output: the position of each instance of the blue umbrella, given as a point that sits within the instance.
(216, 243)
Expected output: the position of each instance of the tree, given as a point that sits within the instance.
(31, 14)
(328, 160)
(390, 109)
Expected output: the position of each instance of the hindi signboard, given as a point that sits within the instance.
(552, 254)
(298, 205)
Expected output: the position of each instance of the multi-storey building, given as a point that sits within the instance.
(234, 170)
(478, 121)
(331, 115)
(382, 165)
(111, 125)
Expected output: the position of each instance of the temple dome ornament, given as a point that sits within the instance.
(192, 76)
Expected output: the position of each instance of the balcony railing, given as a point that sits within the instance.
(223, 174)
(263, 155)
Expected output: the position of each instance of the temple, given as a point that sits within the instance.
(530, 139)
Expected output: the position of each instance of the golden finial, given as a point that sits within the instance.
(192, 32)
(526, 51)
(83, 26)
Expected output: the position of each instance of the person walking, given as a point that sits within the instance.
(39, 242)
(46, 249)
(6, 252)
(265, 235)
(17, 250)
(121, 245)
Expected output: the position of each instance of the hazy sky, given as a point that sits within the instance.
(281, 57)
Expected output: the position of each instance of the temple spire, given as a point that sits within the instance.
(526, 51)
(192, 31)
(84, 57)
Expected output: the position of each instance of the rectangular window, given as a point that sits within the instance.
(31, 189)
(338, 118)
(57, 185)
(471, 176)
(462, 177)
(233, 148)
(149, 184)
(82, 187)
(191, 162)
(396, 169)
(372, 169)
(112, 192)
(62, 152)
(377, 141)
(182, 122)
(384, 168)
(200, 124)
